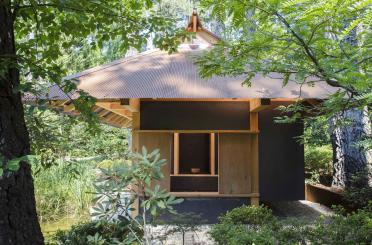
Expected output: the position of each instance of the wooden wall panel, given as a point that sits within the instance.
(163, 142)
(236, 156)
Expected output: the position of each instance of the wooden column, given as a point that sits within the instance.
(135, 134)
(256, 105)
(253, 116)
(176, 153)
(255, 170)
(212, 151)
(135, 148)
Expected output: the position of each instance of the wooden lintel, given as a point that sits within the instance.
(257, 105)
(198, 131)
(212, 194)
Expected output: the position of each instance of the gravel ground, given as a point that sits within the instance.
(300, 210)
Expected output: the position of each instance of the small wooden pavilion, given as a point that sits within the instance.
(219, 138)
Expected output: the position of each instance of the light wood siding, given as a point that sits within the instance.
(163, 142)
(238, 163)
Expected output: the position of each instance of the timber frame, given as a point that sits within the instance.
(125, 113)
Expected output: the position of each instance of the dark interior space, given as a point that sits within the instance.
(194, 153)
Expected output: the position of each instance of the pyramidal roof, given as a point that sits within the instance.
(157, 74)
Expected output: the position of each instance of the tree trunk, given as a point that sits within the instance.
(18, 217)
(348, 157)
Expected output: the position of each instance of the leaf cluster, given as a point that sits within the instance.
(119, 187)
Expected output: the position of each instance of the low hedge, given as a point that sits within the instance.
(257, 225)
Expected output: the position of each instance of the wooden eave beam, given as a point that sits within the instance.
(113, 107)
(257, 105)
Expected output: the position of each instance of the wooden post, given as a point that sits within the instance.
(253, 116)
(135, 148)
(135, 134)
(255, 106)
(176, 153)
(255, 170)
(255, 201)
(212, 162)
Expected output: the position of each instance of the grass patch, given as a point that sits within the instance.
(63, 190)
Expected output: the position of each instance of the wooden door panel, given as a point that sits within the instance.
(163, 142)
(236, 156)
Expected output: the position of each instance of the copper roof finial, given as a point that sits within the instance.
(194, 23)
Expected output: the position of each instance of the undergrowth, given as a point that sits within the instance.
(64, 190)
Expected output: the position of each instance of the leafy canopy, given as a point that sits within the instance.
(305, 41)
(45, 30)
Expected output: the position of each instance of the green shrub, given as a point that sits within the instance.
(99, 232)
(359, 192)
(256, 225)
(318, 163)
(244, 225)
(251, 215)
(318, 158)
(354, 228)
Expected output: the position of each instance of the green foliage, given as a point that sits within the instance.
(64, 190)
(117, 189)
(316, 131)
(318, 162)
(304, 41)
(55, 137)
(14, 164)
(240, 225)
(100, 232)
(351, 229)
(318, 158)
(359, 192)
(251, 215)
(48, 35)
(354, 228)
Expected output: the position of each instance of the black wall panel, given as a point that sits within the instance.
(281, 159)
(212, 115)
(192, 184)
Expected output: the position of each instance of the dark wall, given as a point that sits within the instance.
(192, 184)
(281, 159)
(212, 115)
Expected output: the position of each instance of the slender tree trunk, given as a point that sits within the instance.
(18, 217)
(348, 157)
